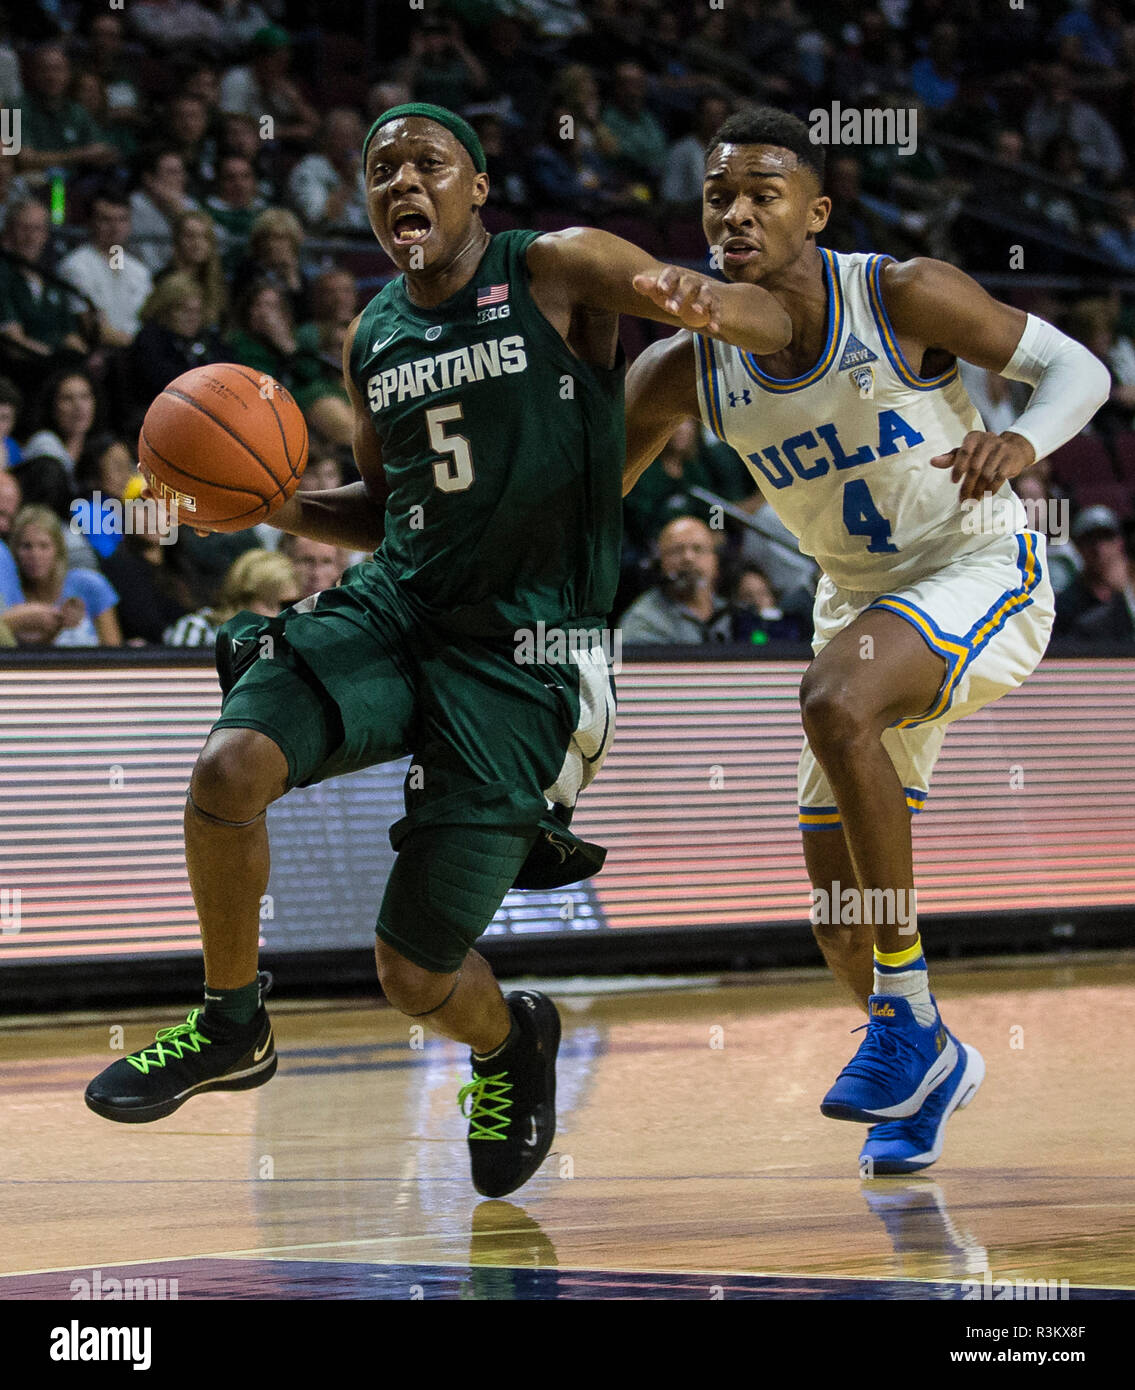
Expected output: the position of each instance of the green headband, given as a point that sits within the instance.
(460, 129)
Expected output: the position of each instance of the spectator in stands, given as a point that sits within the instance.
(440, 67)
(10, 499)
(117, 283)
(713, 48)
(327, 187)
(241, 21)
(235, 206)
(576, 89)
(174, 339)
(11, 84)
(274, 246)
(11, 403)
(1099, 539)
(1091, 37)
(261, 581)
(1058, 111)
(173, 24)
(1095, 323)
(684, 172)
(66, 413)
(147, 574)
(663, 491)
(323, 471)
(266, 88)
(57, 133)
(317, 566)
(1114, 622)
(996, 399)
(856, 223)
(102, 475)
(162, 196)
(334, 298)
(515, 70)
(640, 142)
(935, 76)
(203, 80)
(564, 173)
(40, 552)
(89, 92)
(1116, 238)
(186, 130)
(264, 337)
(195, 252)
(240, 134)
(1059, 207)
(34, 311)
(13, 188)
(505, 157)
(381, 97)
(757, 615)
(685, 606)
(106, 54)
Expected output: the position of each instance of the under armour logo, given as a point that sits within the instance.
(744, 398)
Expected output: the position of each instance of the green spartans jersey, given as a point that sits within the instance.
(503, 453)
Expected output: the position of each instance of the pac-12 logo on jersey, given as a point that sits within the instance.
(863, 379)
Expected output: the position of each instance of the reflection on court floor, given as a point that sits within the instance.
(691, 1160)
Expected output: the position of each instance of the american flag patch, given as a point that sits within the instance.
(492, 294)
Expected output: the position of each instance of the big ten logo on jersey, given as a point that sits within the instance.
(782, 464)
(494, 311)
(425, 375)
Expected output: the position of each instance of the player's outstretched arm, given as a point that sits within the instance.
(935, 305)
(603, 272)
(353, 516)
(660, 394)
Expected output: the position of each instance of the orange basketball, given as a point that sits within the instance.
(225, 443)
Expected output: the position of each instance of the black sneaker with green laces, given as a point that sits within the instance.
(511, 1101)
(182, 1062)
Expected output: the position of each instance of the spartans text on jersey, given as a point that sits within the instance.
(424, 375)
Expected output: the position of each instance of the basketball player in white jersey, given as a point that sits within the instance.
(862, 438)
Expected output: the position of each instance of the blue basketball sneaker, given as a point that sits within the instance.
(898, 1064)
(907, 1146)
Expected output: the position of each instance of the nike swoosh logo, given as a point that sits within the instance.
(531, 1143)
(260, 1051)
(379, 346)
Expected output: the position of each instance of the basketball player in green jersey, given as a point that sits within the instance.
(486, 382)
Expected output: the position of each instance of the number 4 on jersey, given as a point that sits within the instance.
(863, 518)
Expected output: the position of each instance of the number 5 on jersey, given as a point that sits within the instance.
(863, 518)
(454, 474)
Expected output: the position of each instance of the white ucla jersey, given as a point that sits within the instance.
(842, 453)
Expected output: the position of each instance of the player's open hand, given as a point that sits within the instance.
(983, 461)
(690, 297)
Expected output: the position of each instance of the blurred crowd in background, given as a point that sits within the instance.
(187, 189)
